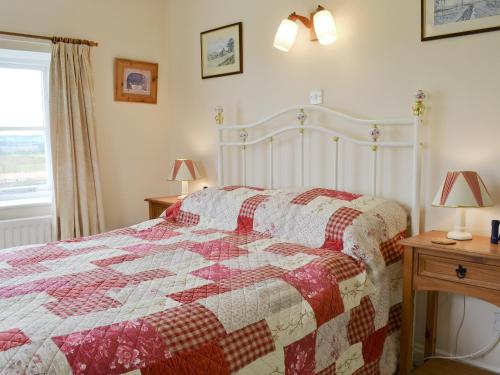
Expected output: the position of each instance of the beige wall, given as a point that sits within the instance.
(131, 137)
(374, 69)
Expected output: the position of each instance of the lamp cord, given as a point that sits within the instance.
(460, 327)
(481, 352)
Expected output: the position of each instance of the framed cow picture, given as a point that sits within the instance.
(136, 81)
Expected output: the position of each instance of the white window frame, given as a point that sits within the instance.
(40, 61)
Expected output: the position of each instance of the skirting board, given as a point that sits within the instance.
(419, 358)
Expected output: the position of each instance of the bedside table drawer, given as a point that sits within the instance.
(459, 270)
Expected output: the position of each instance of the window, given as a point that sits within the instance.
(25, 171)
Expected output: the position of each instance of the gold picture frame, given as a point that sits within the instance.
(136, 81)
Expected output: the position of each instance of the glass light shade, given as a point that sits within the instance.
(285, 36)
(324, 25)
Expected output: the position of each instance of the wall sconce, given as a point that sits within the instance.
(320, 23)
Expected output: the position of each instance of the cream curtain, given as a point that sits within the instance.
(77, 190)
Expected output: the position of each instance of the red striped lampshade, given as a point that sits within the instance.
(462, 189)
(183, 170)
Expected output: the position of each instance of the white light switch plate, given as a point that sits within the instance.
(316, 96)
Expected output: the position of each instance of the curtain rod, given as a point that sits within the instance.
(53, 39)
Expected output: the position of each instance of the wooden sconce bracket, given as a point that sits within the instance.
(307, 21)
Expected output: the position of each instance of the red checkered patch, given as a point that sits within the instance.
(288, 249)
(35, 255)
(99, 281)
(361, 323)
(218, 250)
(247, 344)
(206, 232)
(156, 233)
(395, 318)
(243, 238)
(312, 194)
(22, 271)
(330, 370)
(216, 272)
(152, 249)
(115, 260)
(391, 250)
(62, 286)
(66, 307)
(251, 277)
(334, 231)
(187, 218)
(12, 338)
(369, 369)
(186, 327)
(340, 266)
(194, 294)
(247, 211)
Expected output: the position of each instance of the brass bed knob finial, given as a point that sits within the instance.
(419, 106)
(219, 117)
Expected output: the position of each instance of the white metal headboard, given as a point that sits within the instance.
(375, 132)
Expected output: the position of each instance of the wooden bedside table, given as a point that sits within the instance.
(470, 268)
(160, 204)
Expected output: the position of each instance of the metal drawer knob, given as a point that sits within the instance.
(461, 271)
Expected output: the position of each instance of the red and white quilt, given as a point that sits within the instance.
(234, 280)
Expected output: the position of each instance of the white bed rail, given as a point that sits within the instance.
(376, 126)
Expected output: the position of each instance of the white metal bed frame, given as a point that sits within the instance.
(375, 131)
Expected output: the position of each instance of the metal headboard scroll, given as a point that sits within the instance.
(337, 137)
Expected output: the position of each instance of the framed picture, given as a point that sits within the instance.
(136, 81)
(448, 18)
(222, 51)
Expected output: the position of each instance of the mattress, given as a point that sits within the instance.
(231, 280)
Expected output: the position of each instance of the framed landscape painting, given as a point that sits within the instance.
(222, 51)
(448, 18)
(136, 81)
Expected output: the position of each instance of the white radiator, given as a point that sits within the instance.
(30, 231)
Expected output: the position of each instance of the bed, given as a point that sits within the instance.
(234, 279)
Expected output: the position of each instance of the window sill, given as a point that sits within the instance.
(26, 203)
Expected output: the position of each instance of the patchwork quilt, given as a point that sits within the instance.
(233, 280)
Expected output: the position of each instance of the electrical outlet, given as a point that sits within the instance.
(316, 96)
(497, 322)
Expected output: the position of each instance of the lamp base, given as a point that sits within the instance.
(459, 236)
(185, 190)
(458, 233)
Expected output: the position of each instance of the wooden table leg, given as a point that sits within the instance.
(406, 359)
(431, 323)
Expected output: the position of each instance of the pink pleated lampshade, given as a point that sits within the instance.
(183, 170)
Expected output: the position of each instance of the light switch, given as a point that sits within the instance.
(316, 96)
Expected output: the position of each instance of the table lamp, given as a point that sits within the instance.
(462, 190)
(183, 170)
